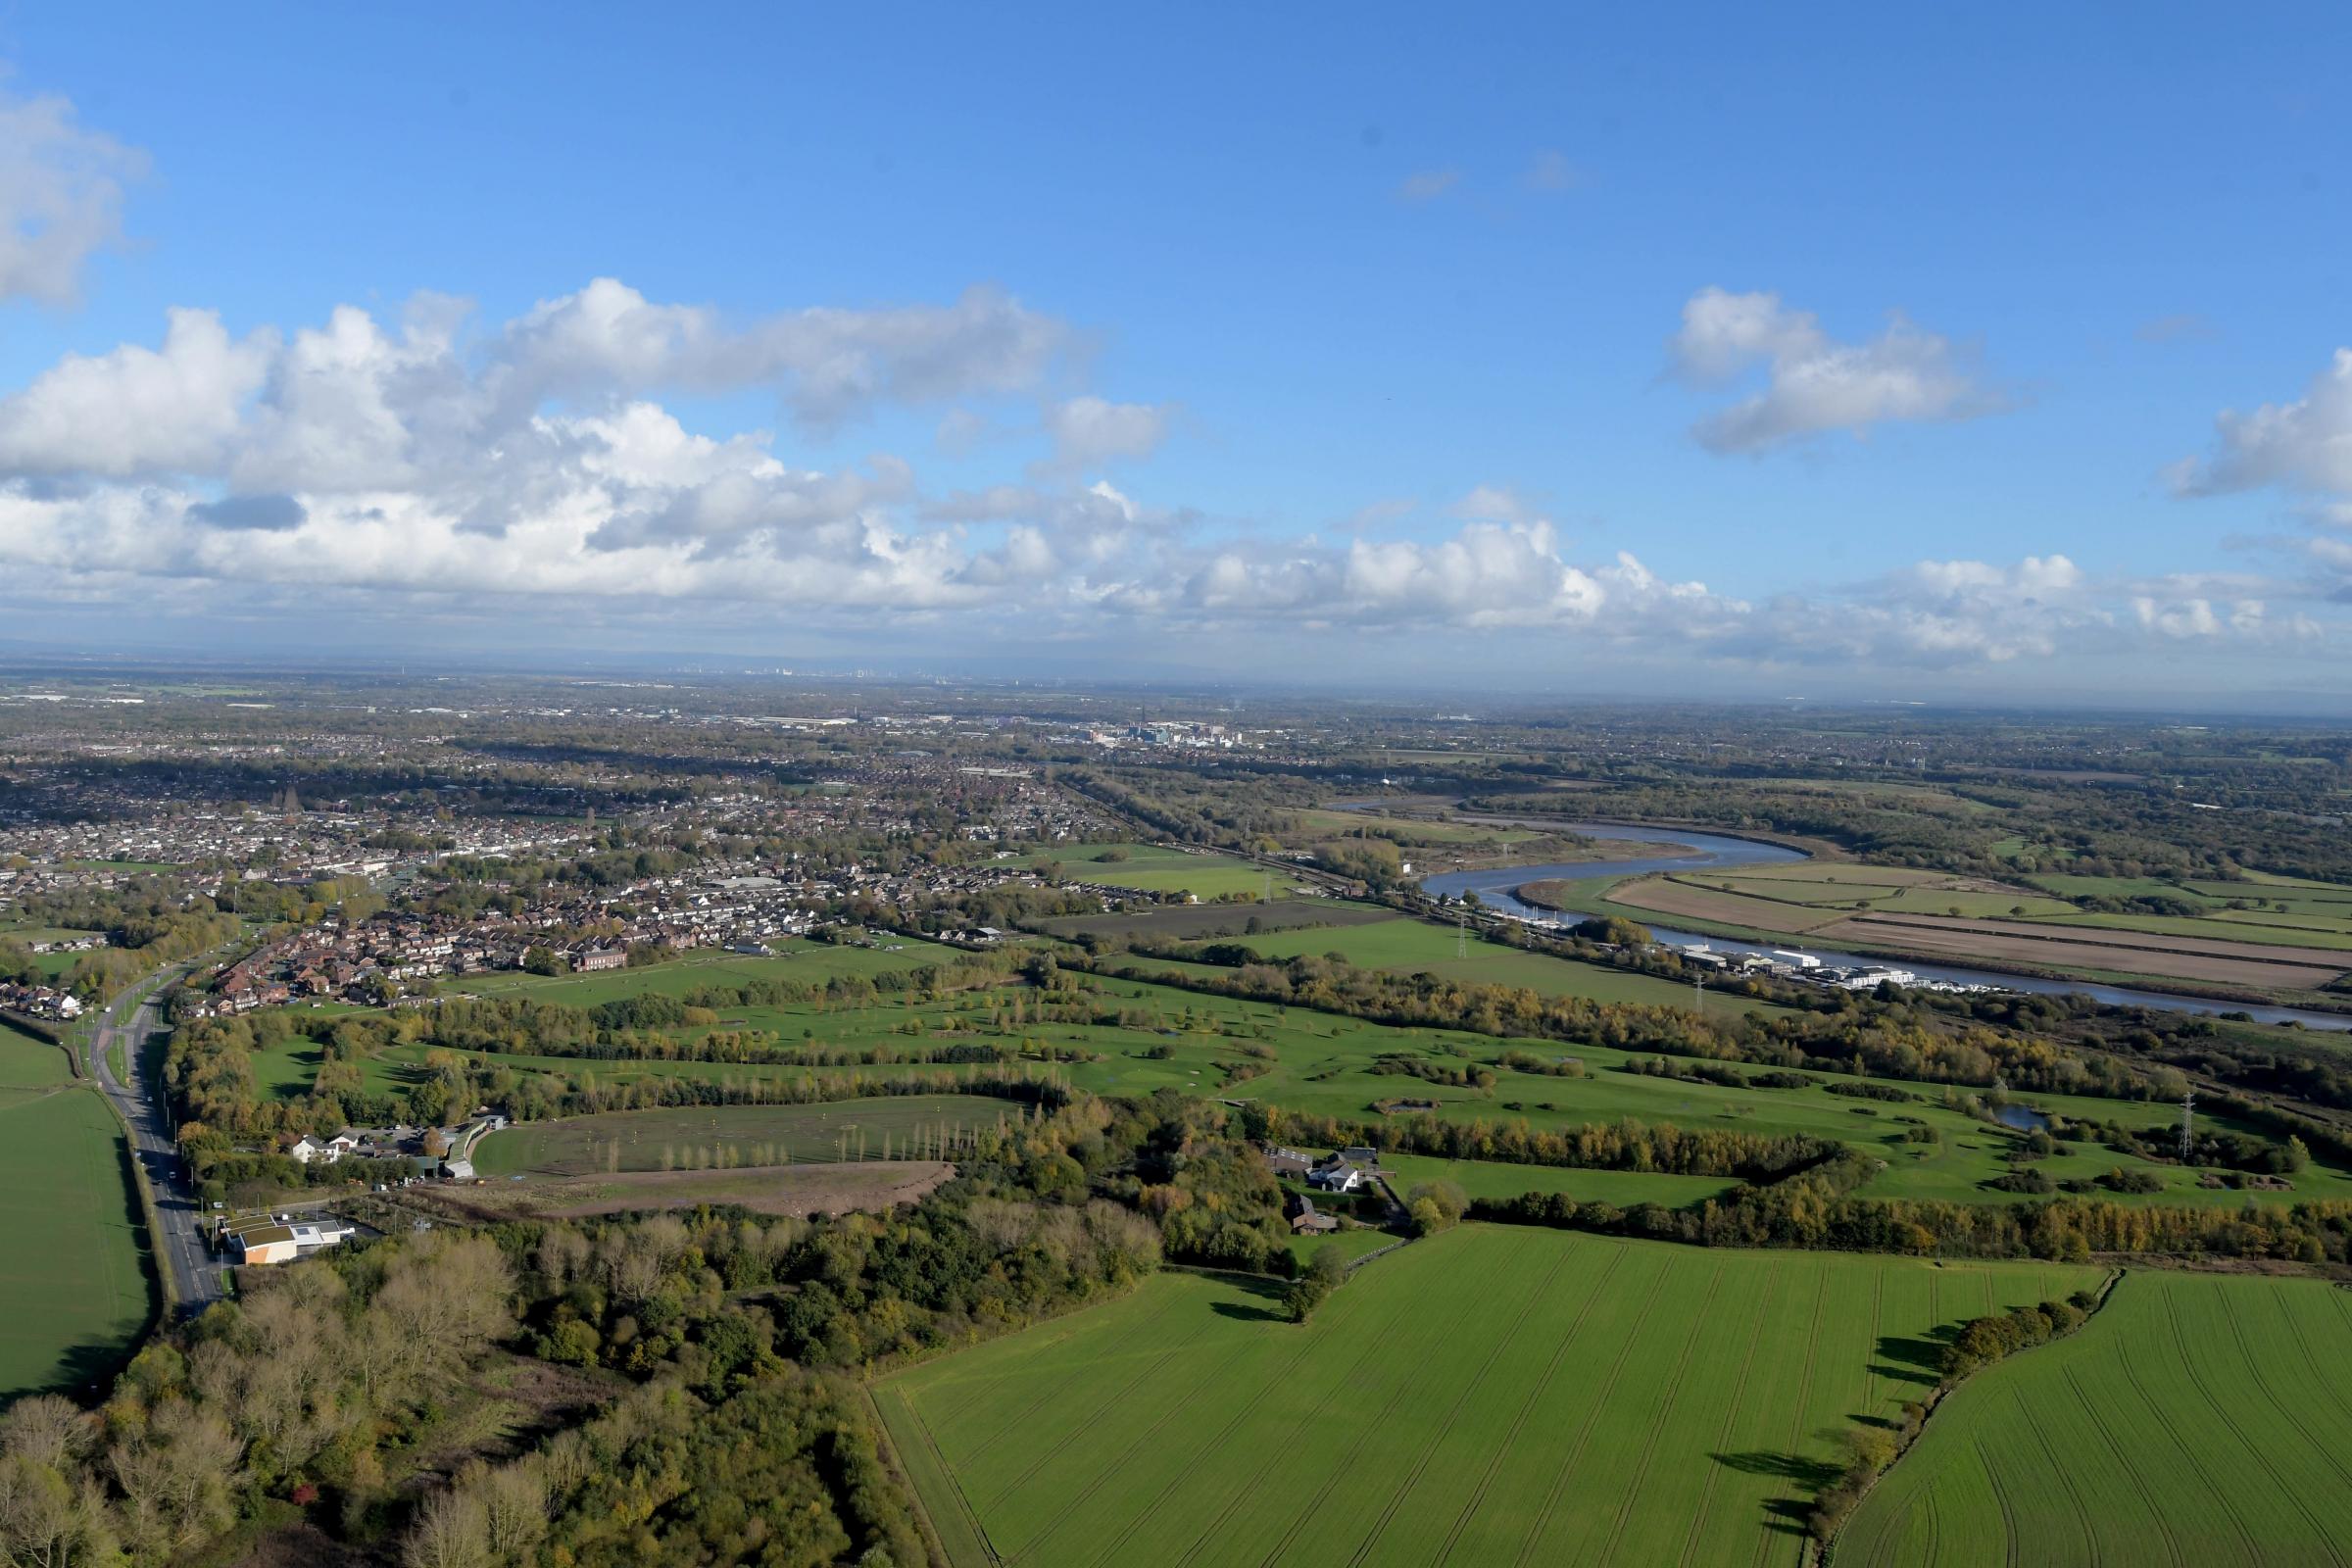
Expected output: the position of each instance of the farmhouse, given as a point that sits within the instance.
(1289, 1162)
(596, 959)
(1310, 1220)
(1338, 1177)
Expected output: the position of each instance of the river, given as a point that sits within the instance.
(1494, 887)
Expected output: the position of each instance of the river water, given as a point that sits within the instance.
(1495, 884)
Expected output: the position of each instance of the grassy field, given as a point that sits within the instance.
(1175, 1038)
(1352, 1242)
(2200, 1421)
(793, 959)
(1491, 1396)
(1485, 1178)
(288, 1071)
(1411, 946)
(690, 1138)
(1192, 922)
(75, 1294)
(1153, 868)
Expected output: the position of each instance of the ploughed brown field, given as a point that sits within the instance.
(2076, 948)
(2304, 958)
(2206, 960)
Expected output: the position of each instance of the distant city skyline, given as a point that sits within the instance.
(1987, 358)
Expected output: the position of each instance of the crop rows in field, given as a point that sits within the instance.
(1489, 1395)
(2197, 1420)
(706, 1136)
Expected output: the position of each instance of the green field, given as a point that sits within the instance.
(693, 1138)
(1153, 868)
(793, 959)
(1487, 1178)
(288, 1071)
(1352, 1242)
(1412, 947)
(2199, 1421)
(76, 1294)
(1177, 1039)
(1491, 1396)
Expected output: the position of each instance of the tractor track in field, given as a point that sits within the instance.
(963, 1504)
(1804, 1385)
(2139, 1482)
(1453, 1413)
(2237, 1523)
(2196, 1377)
(1502, 1449)
(1079, 1498)
(2011, 1538)
(1878, 1314)
(1657, 1427)
(2287, 1408)
(1584, 1435)
(1080, 1430)
(1332, 1480)
(1731, 1414)
(2303, 1341)
(975, 1390)
(1306, 1423)
(2084, 1516)
(1054, 1386)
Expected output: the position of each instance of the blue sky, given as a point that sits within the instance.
(1360, 331)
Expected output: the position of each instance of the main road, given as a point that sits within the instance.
(198, 1278)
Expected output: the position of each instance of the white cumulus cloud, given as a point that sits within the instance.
(1089, 431)
(1814, 383)
(61, 196)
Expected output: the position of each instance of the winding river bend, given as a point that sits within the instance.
(1494, 887)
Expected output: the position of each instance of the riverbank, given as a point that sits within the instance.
(1498, 887)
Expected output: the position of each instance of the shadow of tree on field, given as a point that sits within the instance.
(86, 1368)
(1814, 1474)
(1788, 1516)
(1916, 1360)
(1263, 1306)
(1249, 1313)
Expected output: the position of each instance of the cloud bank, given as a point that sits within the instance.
(533, 462)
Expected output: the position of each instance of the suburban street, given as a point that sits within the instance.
(197, 1277)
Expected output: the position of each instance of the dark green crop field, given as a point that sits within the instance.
(1489, 1397)
(2197, 1420)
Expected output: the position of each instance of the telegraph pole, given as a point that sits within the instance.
(2188, 1113)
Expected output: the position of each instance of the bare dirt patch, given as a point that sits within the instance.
(2071, 950)
(2119, 937)
(798, 1190)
